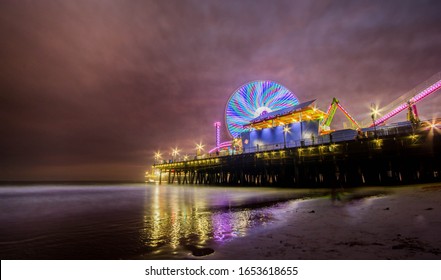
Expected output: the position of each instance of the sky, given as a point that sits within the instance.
(89, 90)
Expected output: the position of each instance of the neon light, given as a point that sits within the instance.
(326, 122)
(348, 116)
(428, 91)
(415, 111)
(217, 125)
(221, 145)
(253, 99)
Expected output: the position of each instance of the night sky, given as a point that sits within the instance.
(90, 89)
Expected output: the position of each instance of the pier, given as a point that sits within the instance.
(381, 160)
(278, 141)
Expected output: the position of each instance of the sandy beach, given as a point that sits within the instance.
(403, 223)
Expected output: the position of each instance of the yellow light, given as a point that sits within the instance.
(158, 155)
(200, 147)
(175, 152)
(375, 111)
(286, 129)
(378, 142)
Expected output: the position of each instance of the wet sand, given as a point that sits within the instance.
(403, 223)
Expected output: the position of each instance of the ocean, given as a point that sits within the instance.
(133, 221)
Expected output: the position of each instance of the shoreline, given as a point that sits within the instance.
(404, 223)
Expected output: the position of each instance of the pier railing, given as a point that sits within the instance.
(384, 159)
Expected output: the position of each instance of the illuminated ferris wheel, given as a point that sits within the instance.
(254, 99)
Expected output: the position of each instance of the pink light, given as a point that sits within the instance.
(428, 91)
(415, 111)
(347, 115)
(221, 145)
(217, 125)
(225, 144)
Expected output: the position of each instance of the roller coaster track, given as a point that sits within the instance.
(420, 92)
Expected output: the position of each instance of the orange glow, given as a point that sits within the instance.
(309, 113)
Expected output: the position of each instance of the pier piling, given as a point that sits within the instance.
(390, 160)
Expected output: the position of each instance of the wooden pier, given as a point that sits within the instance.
(387, 160)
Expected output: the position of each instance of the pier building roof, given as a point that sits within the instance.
(301, 112)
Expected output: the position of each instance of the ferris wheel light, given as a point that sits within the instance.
(255, 99)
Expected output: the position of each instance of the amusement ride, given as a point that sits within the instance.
(260, 108)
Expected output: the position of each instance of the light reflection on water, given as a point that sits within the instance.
(180, 218)
(131, 221)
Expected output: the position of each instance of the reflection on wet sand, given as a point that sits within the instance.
(154, 222)
(183, 219)
(180, 219)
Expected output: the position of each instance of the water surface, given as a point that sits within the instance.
(131, 221)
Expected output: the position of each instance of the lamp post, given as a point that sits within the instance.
(285, 130)
(199, 148)
(157, 156)
(175, 153)
(374, 113)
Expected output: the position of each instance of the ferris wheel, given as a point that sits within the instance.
(254, 99)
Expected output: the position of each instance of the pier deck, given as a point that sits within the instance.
(386, 160)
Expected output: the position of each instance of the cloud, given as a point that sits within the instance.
(99, 86)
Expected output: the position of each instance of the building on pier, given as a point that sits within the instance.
(288, 127)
